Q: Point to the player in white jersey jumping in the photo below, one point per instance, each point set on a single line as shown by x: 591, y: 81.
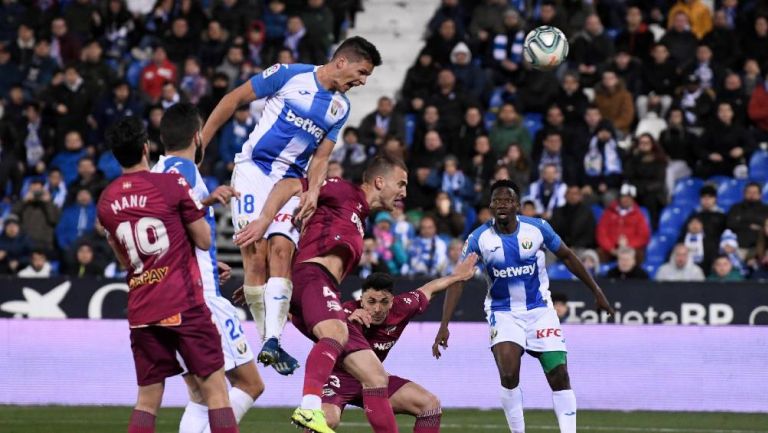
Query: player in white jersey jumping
x: 518, y: 304
x: 180, y: 133
x: 305, y: 110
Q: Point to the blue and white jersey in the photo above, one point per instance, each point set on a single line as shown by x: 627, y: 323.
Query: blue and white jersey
x: 514, y: 264
x: 299, y: 113
x: 206, y: 260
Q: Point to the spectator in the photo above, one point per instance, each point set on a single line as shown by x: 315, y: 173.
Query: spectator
x: 56, y: 187
x: 389, y: 250
x: 23, y: 48
x: 694, y: 238
x: 420, y: 194
x: 76, y: 220
x: 447, y: 220
x: 40, y: 70
x: 680, y: 267
x: 194, y: 85
x: 448, y: 10
x: 369, y: 260
x: 109, y: 166
x: 441, y: 43
x: 759, y: 263
x: 696, y: 102
x: 472, y: 128
x: 94, y: 69
x: 626, y: 267
x: 709, y: 71
x: 623, y: 225
x: 214, y: 46
x: 470, y: 76
x: 454, y: 256
x: 733, y: 93
x: 724, y: 145
x: 39, y: 266
x: 628, y: 70
x: 301, y: 46
x: 38, y: 137
x: 698, y: 14
x: 723, y: 271
x: 382, y: 123
x: 233, y: 136
x: 678, y: 144
x: 72, y: 102
x: 232, y: 14
x: 418, y: 80
x: 69, y: 157
x: 88, y: 177
x: 118, y: 104
x: 572, y: 100
x: 547, y: 193
x: 758, y: 108
x: 97, y: 239
x: 507, y: 49
x: 660, y: 78
x: 15, y: 246
x: 156, y: 74
x: 428, y: 252
x: 615, y: 102
x: 482, y: 164
x: 85, y: 264
x: 153, y: 132
x: 591, y: 48
x: 451, y: 103
x: 560, y: 304
x: 602, y: 163
x: 723, y: 40
x: 646, y: 169
x: 575, y: 222
x: 755, y: 42
x: 38, y: 215
x: 729, y: 247
x: 487, y: 20
x: 275, y: 21
x: 65, y: 47
x: 10, y: 73
x: 509, y: 129
x: 636, y: 38
x: 180, y: 43
x: 255, y: 46
x: 455, y: 183
x: 591, y: 261
x: 553, y: 122
x: 434, y: 151
x: 219, y: 86
x: 232, y: 65
x: 529, y: 209
x: 335, y: 170
x: 119, y: 30
x: 351, y: 154
x: 518, y: 165
x: 318, y: 19
x: 680, y: 41
x: 746, y: 218
x: 553, y: 154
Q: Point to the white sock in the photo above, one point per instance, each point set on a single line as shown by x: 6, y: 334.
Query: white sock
x: 512, y: 402
x: 565, y: 410
x: 311, y: 401
x: 277, y: 299
x: 240, y: 402
x: 194, y: 419
x: 254, y: 297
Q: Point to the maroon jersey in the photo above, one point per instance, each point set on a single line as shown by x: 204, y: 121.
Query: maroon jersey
x: 404, y: 307
x: 337, y: 222
x: 145, y: 214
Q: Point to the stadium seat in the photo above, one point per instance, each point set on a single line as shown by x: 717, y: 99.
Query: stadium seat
x: 686, y: 191
x: 211, y: 182
x: 597, y: 212
x: 489, y: 119
x: 534, y: 122
x: 658, y: 249
x: 717, y: 180
x: 410, y: 129
x: 605, y: 267
x: 651, y: 269
x: 559, y: 271
x: 470, y: 217
x: 730, y: 192
x: 758, y: 166
x: 765, y: 193
x: 672, y: 219
x: 647, y: 215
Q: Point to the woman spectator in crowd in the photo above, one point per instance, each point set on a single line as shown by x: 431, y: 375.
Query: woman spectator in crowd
x: 755, y: 42
x: 646, y: 169
x: 724, y: 145
x: 591, y: 261
x: 759, y: 263
x: 448, y: 221
x: 678, y: 144
x: 518, y: 166
x: 615, y: 102
x: 465, y: 146
x: 482, y: 164
x: 701, y: 249
x: 419, y: 80
x: 388, y: 248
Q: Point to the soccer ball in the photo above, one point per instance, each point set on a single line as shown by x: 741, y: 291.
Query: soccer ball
x: 545, y: 48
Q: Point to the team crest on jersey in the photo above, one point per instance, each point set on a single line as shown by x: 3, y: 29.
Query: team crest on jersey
x: 241, y: 223
x: 270, y: 70
x: 527, y: 244
x: 127, y: 185
x: 494, y: 333
x: 466, y: 246
x: 335, y: 107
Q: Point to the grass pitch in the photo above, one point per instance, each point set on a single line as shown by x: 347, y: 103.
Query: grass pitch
x: 63, y: 419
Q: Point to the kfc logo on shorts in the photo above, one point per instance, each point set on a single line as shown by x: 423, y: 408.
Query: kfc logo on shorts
x: 283, y: 217
x: 548, y: 332
x: 334, y: 306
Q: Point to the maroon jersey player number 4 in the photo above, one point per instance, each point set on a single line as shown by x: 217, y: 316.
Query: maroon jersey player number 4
x: 146, y: 213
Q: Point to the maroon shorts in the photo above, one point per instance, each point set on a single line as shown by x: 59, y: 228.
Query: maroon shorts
x: 343, y: 389
x: 196, y: 339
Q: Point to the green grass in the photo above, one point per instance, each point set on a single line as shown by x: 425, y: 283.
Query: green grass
x: 62, y: 419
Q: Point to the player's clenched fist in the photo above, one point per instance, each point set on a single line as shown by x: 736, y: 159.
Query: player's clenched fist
x: 252, y: 232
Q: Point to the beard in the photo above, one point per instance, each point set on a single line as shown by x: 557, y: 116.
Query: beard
x: 199, y: 154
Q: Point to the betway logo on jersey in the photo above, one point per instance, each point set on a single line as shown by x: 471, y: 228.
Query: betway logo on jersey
x: 305, y: 124
x: 514, y: 271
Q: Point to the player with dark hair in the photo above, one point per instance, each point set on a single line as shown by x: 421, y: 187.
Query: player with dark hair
x: 384, y: 317
x: 153, y: 225
x: 180, y: 134
x: 518, y: 305
x: 305, y: 110
x: 331, y: 246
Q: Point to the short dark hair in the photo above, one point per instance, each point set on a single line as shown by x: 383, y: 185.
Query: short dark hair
x: 126, y: 139
x: 356, y: 49
x: 708, y: 190
x: 380, y: 165
x: 379, y: 281
x: 179, y: 125
x: 559, y: 297
x: 506, y: 183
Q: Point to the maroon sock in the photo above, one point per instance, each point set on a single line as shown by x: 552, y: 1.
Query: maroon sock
x: 379, y: 411
x: 222, y: 420
x: 141, y: 422
x: 428, y: 422
x: 320, y: 362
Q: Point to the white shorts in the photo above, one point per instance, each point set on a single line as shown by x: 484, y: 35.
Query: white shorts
x: 536, y: 330
x: 254, y: 187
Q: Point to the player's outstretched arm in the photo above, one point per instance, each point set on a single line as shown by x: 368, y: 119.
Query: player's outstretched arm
x: 243, y: 94
x: 452, y: 297
x: 577, y: 268
x: 462, y: 272
x: 278, y: 197
x: 318, y: 169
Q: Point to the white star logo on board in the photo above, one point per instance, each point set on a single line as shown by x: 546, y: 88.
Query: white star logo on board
x: 39, y: 306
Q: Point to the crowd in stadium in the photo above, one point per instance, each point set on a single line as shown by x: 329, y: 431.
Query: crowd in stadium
x: 645, y: 151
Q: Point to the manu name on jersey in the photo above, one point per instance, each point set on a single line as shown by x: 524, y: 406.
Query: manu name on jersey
x: 206, y: 260
x: 298, y: 114
x: 514, y: 264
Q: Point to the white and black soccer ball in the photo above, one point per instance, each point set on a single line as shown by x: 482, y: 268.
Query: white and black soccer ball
x: 545, y: 48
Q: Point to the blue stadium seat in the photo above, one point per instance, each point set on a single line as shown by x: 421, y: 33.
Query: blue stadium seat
x: 717, y: 180
x: 658, y: 249
x: 758, y: 166
x: 647, y: 215
x: 489, y: 119
x: 597, y: 211
x: 672, y: 219
x: 686, y: 191
x: 559, y: 271
x: 534, y: 122
x: 765, y: 192
x: 410, y: 129
x: 730, y: 192
x: 55, y: 267
x: 651, y: 269
x: 605, y: 267
x: 211, y: 183
x: 470, y: 216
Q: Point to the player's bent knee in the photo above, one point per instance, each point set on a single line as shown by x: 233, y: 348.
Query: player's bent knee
x: 558, y: 378
x: 509, y: 380
x: 333, y: 329
x: 375, y: 379
x: 429, y: 403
